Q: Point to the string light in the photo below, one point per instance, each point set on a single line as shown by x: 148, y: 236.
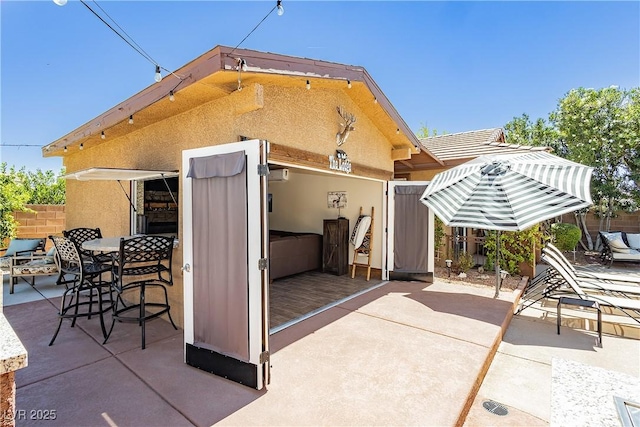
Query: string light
x: 81, y: 146
x: 280, y: 11
x: 241, y: 64
x: 60, y: 2
x: 65, y: 148
x: 171, y: 96
x: 349, y: 84
x: 308, y: 85
x: 398, y: 131
x: 102, y: 135
x: 375, y: 100
x: 131, y: 119
x: 158, y: 76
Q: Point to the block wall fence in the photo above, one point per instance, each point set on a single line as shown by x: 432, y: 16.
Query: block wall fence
x: 45, y: 221
x: 623, y: 221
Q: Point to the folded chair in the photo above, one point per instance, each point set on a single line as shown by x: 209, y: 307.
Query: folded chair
x: 85, y: 285
x: 142, y: 263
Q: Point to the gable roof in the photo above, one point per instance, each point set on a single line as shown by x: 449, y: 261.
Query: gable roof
x: 456, y: 148
x: 471, y: 144
x: 216, y: 75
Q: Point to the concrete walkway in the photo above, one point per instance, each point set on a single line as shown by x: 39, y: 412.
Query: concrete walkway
x: 407, y: 353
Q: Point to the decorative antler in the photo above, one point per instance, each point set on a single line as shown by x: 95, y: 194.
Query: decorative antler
x: 346, y: 127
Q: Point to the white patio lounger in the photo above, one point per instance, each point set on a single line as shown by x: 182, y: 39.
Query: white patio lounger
x: 554, y: 281
x: 582, y: 274
x: 628, y: 306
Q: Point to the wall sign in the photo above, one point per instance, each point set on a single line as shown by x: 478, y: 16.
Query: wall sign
x: 340, y: 162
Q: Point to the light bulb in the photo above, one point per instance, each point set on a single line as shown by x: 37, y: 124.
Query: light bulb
x: 102, y: 135
x: 60, y: 2
x: 130, y: 120
x: 244, y: 65
x: 171, y: 97
x: 158, y: 76
x: 397, y: 131
x: 308, y: 85
x: 65, y: 148
x: 375, y: 100
x: 349, y: 84
x: 81, y: 146
x: 279, y: 7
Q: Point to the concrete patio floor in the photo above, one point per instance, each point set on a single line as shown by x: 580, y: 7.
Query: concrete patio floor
x: 407, y: 353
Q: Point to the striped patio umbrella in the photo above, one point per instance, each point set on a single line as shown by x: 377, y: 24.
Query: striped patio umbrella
x: 510, y: 192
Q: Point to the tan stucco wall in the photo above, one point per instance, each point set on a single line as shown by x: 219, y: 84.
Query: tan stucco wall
x: 425, y: 175
x: 300, y: 205
x: 294, y: 117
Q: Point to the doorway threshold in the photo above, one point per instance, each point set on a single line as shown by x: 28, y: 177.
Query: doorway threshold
x: 299, y: 319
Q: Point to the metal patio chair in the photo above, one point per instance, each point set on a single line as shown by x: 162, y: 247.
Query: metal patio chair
x: 85, y: 285
x: 143, y: 262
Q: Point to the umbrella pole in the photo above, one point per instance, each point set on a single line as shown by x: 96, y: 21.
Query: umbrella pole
x: 497, y: 264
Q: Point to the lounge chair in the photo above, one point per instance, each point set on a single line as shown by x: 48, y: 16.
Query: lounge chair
x: 572, y: 288
x: 620, y: 246
x: 593, y: 275
x: 590, y: 282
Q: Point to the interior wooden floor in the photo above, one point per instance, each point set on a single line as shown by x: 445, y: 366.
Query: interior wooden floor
x: 294, y: 296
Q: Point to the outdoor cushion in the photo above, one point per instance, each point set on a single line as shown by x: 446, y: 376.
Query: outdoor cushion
x: 621, y: 250
x: 21, y: 245
x: 634, y: 240
x: 633, y: 255
x: 611, y: 236
x: 38, y: 266
x: 617, y: 245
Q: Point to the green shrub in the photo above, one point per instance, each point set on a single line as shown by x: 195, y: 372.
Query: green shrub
x: 566, y: 236
x: 515, y: 247
x: 465, y: 262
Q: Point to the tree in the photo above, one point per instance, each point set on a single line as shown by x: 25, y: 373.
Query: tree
x: 20, y: 187
x: 45, y: 187
x: 601, y: 128
x: 424, y: 132
x: 13, y: 197
x: 522, y: 131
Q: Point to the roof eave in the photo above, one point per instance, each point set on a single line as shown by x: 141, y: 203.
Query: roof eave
x: 222, y: 58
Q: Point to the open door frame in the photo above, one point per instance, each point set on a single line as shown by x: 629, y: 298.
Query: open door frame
x: 253, y: 372
x: 390, y: 221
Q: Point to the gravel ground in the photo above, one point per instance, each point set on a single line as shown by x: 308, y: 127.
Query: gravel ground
x: 488, y: 278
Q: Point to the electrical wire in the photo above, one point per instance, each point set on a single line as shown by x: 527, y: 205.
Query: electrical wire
x: 143, y: 52
x: 128, y: 39
x: 254, y: 28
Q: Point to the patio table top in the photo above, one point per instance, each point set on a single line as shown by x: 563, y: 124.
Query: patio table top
x: 105, y: 244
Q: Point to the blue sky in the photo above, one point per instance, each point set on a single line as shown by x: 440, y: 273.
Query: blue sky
x: 453, y: 66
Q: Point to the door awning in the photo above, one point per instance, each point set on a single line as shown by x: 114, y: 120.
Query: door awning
x: 113, y: 174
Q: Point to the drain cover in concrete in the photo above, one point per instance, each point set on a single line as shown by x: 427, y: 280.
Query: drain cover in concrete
x: 495, y: 408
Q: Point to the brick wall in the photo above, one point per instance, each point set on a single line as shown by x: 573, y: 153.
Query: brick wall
x: 623, y: 221
x: 46, y: 220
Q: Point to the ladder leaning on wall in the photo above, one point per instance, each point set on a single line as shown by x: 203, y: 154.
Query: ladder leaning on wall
x: 365, y: 248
